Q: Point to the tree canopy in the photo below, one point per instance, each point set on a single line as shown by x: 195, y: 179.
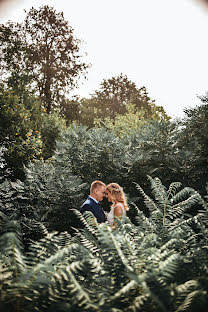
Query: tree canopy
x: 42, y: 55
x: 116, y: 92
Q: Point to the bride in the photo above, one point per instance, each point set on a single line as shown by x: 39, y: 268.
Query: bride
x: 115, y: 195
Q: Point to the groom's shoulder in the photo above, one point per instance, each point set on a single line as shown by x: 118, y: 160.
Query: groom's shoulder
x: 88, y: 201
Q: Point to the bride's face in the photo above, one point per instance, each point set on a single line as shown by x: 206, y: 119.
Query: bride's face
x: 109, y: 197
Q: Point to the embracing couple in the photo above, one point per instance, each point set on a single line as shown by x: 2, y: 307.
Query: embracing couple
x: 114, y: 194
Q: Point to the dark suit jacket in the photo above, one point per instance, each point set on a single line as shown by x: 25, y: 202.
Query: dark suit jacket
x: 96, y: 209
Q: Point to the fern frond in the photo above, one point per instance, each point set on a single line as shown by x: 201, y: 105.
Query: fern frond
x: 180, y: 208
x: 124, y: 260
x: 64, y: 239
x: 139, y: 303
x: 128, y: 240
x: 193, y: 300
x: 43, y: 275
x: 125, y: 289
x: 66, y: 281
x: 180, y: 222
x: 184, y: 289
x: 158, y: 189
x: 88, y: 220
x: 150, y: 284
x: 182, y: 195
x: 169, y: 267
x: 203, y: 214
x: 3, y: 217
x: 172, y: 189
x: 5, y: 274
x: 11, y: 246
x: 142, y: 221
x: 171, y: 244
x: 87, y: 243
x: 41, y: 250
x: 150, y: 204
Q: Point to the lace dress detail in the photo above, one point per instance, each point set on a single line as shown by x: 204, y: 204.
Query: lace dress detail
x: 110, y: 215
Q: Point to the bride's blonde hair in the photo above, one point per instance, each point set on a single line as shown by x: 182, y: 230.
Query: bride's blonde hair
x: 117, y: 194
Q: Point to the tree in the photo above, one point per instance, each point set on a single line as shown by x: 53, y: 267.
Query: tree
x: 194, y: 140
x: 129, y: 122
x: 42, y: 55
x: 70, y: 110
x: 26, y: 133
x: 124, y: 124
x: 88, y: 112
x: 116, y: 92
x: 19, y: 131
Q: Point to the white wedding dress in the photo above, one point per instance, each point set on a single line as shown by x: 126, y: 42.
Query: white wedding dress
x: 110, y: 215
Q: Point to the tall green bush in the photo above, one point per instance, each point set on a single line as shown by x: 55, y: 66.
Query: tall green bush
x: 18, y: 131
x: 194, y: 140
x: 26, y: 131
x: 52, y: 192
x: 98, y: 153
x: 92, y: 154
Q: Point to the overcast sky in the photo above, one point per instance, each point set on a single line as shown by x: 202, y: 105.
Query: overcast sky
x: 159, y: 44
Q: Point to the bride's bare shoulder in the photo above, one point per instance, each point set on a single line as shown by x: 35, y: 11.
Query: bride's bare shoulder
x: 118, y: 208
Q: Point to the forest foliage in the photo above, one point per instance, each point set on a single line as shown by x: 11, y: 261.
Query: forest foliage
x: 157, y: 263
x: 52, y: 147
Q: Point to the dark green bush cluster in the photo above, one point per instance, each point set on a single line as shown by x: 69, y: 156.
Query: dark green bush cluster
x: 47, y: 196
x: 158, y: 149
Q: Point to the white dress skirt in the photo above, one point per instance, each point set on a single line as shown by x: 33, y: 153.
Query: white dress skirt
x: 110, y: 215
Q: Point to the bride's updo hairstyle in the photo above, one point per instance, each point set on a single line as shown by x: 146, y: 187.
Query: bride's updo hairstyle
x: 117, y: 194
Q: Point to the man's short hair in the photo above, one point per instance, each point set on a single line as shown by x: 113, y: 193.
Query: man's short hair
x: 95, y: 185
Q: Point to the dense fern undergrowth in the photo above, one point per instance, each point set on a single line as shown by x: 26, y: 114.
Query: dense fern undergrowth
x: 52, y: 258
x: 156, y: 263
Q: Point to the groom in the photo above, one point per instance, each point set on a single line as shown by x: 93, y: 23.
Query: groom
x: 97, y: 192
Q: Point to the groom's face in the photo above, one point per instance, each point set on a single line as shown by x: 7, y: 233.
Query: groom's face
x: 100, y: 193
